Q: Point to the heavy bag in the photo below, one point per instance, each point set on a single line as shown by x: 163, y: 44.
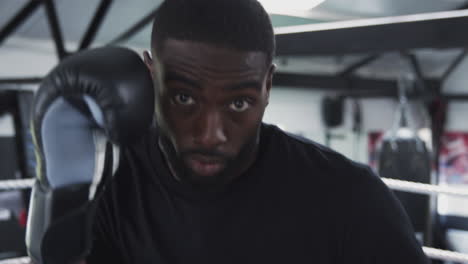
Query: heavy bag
x: 408, y: 159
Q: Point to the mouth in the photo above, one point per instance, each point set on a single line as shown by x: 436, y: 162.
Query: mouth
x: 205, y: 165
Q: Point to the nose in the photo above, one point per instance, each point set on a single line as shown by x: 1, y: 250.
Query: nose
x: 210, y: 132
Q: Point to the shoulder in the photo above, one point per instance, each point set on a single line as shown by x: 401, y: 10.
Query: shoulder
x: 363, y: 189
x: 312, y: 171
x: 308, y: 154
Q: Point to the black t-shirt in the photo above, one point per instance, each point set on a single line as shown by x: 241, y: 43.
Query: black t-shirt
x: 299, y: 203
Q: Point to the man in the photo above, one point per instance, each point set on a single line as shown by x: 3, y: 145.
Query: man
x: 210, y: 183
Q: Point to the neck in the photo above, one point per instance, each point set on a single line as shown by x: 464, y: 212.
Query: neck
x: 248, y: 155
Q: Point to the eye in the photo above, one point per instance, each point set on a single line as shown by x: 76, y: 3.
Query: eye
x: 239, y: 105
x: 183, y: 99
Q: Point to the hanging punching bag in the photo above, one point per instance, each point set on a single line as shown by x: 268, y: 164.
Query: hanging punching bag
x: 406, y: 157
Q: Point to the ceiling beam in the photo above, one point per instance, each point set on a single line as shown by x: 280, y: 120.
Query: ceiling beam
x: 359, y: 64
x: 452, y: 67
x: 16, y: 81
x: 377, y: 35
x: 18, y: 19
x: 95, y: 24
x: 334, y: 83
x: 55, y: 30
x: 137, y: 27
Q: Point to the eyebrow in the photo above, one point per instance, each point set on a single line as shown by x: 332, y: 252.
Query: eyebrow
x: 172, y: 76
x: 246, y: 85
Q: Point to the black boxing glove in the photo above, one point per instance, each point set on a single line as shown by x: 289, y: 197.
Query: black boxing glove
x: 90, y: 104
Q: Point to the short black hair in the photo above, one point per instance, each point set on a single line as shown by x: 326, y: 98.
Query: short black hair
x: 242, y: 25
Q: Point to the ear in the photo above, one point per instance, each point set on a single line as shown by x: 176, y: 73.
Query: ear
x: 148, y: 62
x: 269, y: 81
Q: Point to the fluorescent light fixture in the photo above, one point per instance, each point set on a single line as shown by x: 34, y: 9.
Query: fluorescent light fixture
x: 281, y: 6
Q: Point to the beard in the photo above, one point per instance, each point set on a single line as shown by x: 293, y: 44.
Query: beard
x: 233, y: 165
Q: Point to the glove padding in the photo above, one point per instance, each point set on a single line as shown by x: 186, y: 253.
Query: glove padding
x: 90, y: 99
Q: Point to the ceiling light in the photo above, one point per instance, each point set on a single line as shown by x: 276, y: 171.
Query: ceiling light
x: 279, y: 6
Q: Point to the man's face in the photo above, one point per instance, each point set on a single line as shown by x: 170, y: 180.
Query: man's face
x: 209, y: 106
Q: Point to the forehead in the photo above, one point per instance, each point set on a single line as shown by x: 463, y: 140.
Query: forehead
x: 179, y: 53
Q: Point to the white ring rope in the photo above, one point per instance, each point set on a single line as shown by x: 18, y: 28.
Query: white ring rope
x: 432, y: 253
x: 399, y: 185
x: 23, y: 260
x: 445, y: 255
x: 11, y: 185
x: 422, y: 188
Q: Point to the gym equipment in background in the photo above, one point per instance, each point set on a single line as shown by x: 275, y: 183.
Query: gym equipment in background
x: 17, y: 161
x: 405, y: 156
x: 332, y: 116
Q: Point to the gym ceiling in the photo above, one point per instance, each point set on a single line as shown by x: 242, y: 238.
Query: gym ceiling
x: 356, y: 47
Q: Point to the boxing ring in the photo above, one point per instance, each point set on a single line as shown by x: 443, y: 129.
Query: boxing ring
x: 397, y: 185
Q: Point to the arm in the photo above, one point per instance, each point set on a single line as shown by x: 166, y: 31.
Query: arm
x: 89, y: 100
